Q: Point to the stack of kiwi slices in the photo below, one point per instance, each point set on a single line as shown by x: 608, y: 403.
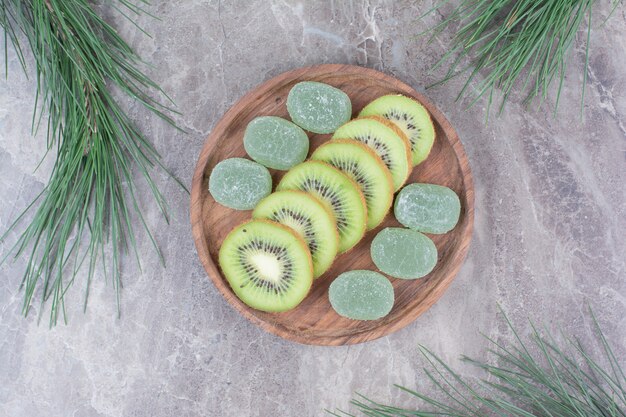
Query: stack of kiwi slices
x: 323, y: 206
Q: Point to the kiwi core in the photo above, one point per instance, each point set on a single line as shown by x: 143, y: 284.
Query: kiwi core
x: 268, y: 266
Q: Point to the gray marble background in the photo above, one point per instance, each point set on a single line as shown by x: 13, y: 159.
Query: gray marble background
x: 549, y: 238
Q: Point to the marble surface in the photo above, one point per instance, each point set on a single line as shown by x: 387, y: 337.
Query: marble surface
x: 549, y: 238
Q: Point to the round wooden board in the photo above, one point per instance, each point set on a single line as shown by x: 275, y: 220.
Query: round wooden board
x: 314, y: 321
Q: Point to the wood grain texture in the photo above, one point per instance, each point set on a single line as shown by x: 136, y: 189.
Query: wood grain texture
x: 314, y: 321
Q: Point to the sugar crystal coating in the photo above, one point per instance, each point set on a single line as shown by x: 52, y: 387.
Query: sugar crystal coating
x: 239, y: 183
x: 361, y: 295
x: 275, y: 142
x: 403, y: 253
x: 427, y: 208
x: 318, y: 107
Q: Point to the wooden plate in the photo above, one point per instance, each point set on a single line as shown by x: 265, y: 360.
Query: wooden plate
x: 314, y: 321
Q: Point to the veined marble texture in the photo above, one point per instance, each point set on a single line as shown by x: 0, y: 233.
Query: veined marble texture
x: 549, y: 228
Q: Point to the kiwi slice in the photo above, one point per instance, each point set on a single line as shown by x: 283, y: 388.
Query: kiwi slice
x: 389, y: 144
x: 268, y: 265
x: 360, y: 162
x: 340, y: 194
x: 411, y: 117
x: 309, y: 218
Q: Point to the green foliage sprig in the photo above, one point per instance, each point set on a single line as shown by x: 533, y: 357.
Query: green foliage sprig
x: 513, y: 44
x: 538, y: 378
x: 90, y: 198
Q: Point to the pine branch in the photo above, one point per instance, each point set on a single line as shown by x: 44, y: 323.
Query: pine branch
x: 90, y: 198
x: 535, y: 378
x: 513, y: 45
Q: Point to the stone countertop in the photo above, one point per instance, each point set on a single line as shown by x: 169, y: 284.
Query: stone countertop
x: 549, y: 228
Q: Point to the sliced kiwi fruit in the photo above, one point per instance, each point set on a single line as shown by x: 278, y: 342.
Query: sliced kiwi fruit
x: 411, y: 117
x: 340, y: 194
x: 360, y: 162
x: 389, y: 144
x: 309, y: 218
x: 267, y: 265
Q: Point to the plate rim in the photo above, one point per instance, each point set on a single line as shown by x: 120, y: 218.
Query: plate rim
x: 212, y: 269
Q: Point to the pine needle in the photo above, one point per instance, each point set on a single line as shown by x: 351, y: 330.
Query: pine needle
x: 90, y: 199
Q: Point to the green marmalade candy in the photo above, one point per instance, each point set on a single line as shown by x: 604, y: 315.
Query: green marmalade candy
x: 361, y: 295
x: 275, y: 142
x: 318, y: 107
x: 403, y: 253
x: 427, y: 208
x: 239, y: 183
